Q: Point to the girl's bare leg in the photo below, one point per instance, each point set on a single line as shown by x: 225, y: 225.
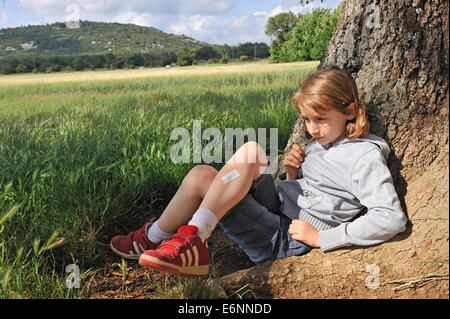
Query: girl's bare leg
x: 205, y: 187
x: 247, y: 164
x: 187, y: 199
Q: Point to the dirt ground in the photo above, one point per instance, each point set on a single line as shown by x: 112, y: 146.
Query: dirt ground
x: 227, y: 258
x: 141, y: 282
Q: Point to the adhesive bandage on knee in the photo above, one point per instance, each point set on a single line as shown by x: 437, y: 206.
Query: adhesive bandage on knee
x: 230, y: 176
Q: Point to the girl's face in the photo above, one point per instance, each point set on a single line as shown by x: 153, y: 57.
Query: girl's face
x: 327, y: 126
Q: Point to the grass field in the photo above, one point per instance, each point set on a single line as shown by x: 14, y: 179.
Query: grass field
x: 85, y: 156
x: 261, y: 66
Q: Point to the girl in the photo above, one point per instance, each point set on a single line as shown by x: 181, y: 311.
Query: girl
x: 318, y: 202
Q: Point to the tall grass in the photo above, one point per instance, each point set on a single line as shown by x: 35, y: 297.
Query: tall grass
x: 85, y: 160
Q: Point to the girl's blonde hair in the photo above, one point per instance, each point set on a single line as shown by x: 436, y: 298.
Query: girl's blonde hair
x: 333, y: 88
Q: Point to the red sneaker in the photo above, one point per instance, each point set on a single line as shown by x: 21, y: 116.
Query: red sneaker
x: 183, y: 254
x: 131, y: 246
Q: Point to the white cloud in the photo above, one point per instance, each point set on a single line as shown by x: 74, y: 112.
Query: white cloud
x: 126, y: 17
x: 145, y: 19
x: 62, y: 10
x: 296, y: 8
x: 4, y: 19
x: 234, y: 30
x: 88, y: 8
x: 48, y: 10
x: 277, y: 10
x: 261, y: 14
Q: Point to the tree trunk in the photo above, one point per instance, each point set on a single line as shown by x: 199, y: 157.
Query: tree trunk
x: 398, y: 53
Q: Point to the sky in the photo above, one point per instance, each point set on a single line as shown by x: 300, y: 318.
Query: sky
x: 212, y: 21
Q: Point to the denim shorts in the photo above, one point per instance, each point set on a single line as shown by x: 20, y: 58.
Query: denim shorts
x: 258, y: 225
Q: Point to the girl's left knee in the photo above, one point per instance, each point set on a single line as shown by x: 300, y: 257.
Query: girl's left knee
x: 256, y: 155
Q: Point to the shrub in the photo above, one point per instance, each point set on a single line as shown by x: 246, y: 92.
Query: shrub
x: 243, y: 58
x: 20, y: 68
x: 78, y: 64
x: 225, y: 58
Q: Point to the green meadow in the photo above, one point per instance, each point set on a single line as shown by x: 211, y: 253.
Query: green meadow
x: 85, y: 160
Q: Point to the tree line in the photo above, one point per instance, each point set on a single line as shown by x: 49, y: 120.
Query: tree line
x: 54, y: 63
x: 243, y: 52
x: 301, y: 37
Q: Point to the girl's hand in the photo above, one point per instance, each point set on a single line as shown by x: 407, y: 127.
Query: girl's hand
x: 304, y: 232
x: 293, y: 160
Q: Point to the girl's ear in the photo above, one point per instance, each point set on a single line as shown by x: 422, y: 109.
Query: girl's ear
x: 351, y: 111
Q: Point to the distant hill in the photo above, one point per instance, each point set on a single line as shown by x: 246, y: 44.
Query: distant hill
x: 90, y: 38
x: 99, y: 45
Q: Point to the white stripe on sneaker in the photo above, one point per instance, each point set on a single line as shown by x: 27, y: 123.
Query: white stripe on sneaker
x: 201, y: 270
x: 136, y: 249
x: 189, y: 255
x: 183, y: 259
x: 195, y: 255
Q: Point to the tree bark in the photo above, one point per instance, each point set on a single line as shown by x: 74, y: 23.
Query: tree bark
x: 398, y: 53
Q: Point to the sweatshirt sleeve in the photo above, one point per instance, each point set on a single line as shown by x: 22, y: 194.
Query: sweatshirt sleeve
x: 282, y: 177
x: 372, y: 184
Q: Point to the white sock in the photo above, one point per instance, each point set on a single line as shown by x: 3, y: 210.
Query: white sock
x: 205, y: 220
x: 155, y: 234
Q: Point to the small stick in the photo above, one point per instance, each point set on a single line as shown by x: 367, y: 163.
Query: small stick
x: 422, y: 280
x: 410, y: 281
x: 308, y: 142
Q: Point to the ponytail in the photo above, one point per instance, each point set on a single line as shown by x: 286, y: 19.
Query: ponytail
x: 359, y: 126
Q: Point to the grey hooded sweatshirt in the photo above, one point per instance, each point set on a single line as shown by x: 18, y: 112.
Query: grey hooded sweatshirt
x: 335, y: 184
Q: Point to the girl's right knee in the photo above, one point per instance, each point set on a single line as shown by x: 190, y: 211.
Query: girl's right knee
x: 199, y: 179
